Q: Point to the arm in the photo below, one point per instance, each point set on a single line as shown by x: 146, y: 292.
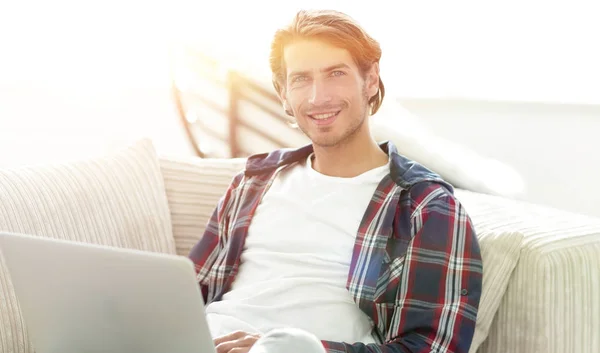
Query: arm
x: 206, y: 250
x: 440, y: 286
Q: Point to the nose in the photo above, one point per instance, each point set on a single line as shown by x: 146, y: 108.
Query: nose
x: 320, y: 93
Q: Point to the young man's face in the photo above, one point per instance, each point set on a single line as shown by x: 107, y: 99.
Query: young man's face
x: 326, y: 91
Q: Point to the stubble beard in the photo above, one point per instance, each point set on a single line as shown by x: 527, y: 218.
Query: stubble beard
x: 351, y: 131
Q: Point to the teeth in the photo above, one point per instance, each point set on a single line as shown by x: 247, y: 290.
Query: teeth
x: 323, y: 116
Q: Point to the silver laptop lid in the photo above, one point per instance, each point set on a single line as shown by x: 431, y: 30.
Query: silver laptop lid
x: 78, y: 297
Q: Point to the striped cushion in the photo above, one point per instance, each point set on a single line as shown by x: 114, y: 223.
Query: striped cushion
x: 116, y: 200
x: 194, y: 187
x: 500, y: 252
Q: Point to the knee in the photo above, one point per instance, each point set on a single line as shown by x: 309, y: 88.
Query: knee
x: 288, y: 340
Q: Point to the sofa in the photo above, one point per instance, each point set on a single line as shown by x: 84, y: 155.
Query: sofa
x: 541, y: 283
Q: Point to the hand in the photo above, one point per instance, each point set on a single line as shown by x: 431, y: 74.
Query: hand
x: 236, y: 342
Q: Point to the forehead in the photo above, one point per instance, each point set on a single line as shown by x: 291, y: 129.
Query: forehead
x: 313, y: 55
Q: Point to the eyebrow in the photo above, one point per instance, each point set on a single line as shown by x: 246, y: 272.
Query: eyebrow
x: 327, y: 69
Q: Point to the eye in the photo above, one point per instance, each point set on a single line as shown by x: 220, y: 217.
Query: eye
x: 337, y: 73
x: 301, y: 78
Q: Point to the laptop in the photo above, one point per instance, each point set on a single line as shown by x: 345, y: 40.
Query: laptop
x: 85, y: 298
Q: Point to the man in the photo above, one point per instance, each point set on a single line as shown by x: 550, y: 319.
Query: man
x: 343, y: 241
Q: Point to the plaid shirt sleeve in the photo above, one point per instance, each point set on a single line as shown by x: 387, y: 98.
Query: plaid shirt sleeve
x: 439, y: 288
x: 205, y: 252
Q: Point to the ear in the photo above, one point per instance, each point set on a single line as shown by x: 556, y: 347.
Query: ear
x: 287, y: 108
x: 372, y: 80
x: 286, y: 105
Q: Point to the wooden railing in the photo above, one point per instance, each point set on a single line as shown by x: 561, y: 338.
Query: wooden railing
x: 224, y: 102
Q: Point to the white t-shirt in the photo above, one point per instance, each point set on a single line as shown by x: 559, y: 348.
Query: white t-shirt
x: 296, y: 258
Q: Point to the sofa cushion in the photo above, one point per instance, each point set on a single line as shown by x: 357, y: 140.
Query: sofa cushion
x: 194, y: 187
x: 500, y: 252
x: 116, y: 200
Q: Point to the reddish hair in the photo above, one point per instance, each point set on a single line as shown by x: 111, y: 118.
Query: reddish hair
x: 334, y: 28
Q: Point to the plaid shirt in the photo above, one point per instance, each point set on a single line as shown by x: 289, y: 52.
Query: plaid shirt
x: 416, y: 268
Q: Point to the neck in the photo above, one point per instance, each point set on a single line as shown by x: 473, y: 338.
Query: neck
x: 349, y: 159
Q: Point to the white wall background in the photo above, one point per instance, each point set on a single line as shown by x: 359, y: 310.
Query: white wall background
x: 82, y: 77
x: 554, y: 147
x: 523, y: 50
x: 79, y: 78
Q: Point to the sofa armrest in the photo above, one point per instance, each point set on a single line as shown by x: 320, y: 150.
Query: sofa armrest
x: 551, y: 302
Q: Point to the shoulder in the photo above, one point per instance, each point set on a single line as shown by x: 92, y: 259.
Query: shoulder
x: 438, y: 217
x: 433, y: 206
x: 426, y: 194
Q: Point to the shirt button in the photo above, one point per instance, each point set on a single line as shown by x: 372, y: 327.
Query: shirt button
x: 464, y: 292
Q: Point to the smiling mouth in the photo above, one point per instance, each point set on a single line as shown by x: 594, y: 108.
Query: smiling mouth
x: 325, y: 118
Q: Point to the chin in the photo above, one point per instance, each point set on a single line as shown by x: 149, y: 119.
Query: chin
x: 326, y: 141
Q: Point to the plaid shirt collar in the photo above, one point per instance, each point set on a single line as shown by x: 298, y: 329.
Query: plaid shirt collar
x: 403, y: 171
